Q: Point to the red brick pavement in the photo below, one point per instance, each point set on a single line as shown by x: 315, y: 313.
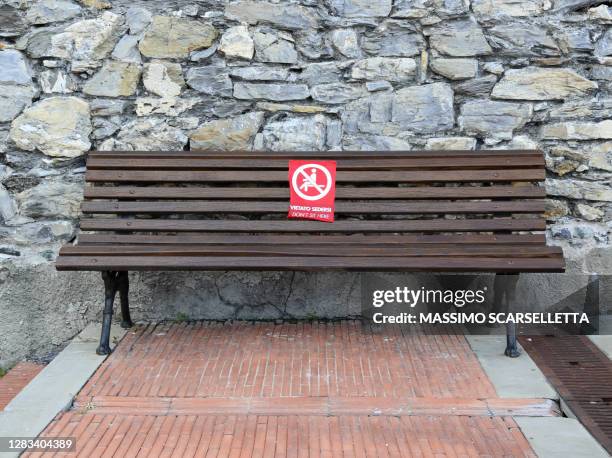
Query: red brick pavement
x: 18, y: 377
x: 291, y: 436
x: 293, y: 390
x: 306, y: 359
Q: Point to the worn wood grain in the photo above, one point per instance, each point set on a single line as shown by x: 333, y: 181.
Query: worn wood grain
x: 348, y: 226
x: 389, y: 207
x: 306, y: 239
x: 254, y: 193
x: 384, y: 163
x: 266, y: 176
x: 314, y: 263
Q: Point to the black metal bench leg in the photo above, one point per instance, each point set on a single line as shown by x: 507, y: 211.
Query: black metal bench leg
x: 110, y: 290
x: 124, y: 288
x: 512, y: 350
x: 504, y: 296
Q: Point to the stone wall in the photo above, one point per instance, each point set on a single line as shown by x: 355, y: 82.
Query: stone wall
x: 287, y: 75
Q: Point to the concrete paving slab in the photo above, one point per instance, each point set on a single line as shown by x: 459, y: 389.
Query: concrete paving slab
x: 604, y: 343
x: 566, y: 410
x: 511, y: 377
x: 54, y: 388
x: 552, y: 437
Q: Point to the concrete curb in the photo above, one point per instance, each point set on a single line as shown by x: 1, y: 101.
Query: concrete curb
x: 552, y: 437
x: 511, y: 377
x: 604, y: 343
x: 53, y: 390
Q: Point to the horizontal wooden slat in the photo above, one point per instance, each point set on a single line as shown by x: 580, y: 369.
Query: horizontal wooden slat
x: 418, y: 163
x: 341, y: 207
x: 432, y: 225
x: 312, y: 154
x: 442, y: 249
x: 354, y: 239
x: 311, y: 263
x: 223, y: 176
x: 424, y: 192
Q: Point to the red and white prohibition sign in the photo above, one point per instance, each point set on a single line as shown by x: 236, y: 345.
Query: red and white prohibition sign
x: 312, y: 188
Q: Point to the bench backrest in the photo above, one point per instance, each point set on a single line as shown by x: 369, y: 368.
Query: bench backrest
x: 472, y: 210
x: 476, y: 192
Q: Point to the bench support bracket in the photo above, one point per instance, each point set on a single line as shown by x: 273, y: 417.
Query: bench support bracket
x: 113, y: 282
x: 504, y: 296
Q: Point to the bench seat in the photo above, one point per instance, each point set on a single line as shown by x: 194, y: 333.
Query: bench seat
x: 523, y: 253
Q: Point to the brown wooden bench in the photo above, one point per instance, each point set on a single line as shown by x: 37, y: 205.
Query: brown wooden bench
x: 432, y: 211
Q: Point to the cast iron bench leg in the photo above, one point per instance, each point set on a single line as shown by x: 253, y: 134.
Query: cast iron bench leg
x: 110, y: 290
x: 124, y: 288
x: 512, y: 350
x: 504, y: 296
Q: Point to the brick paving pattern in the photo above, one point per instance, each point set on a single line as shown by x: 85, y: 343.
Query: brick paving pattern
x: 18, y: 377
x: 267, y: 360
x: 332, y: 389
x: 291, y: 436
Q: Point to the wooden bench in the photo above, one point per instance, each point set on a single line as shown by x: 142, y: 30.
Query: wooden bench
x: 432, y: 211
